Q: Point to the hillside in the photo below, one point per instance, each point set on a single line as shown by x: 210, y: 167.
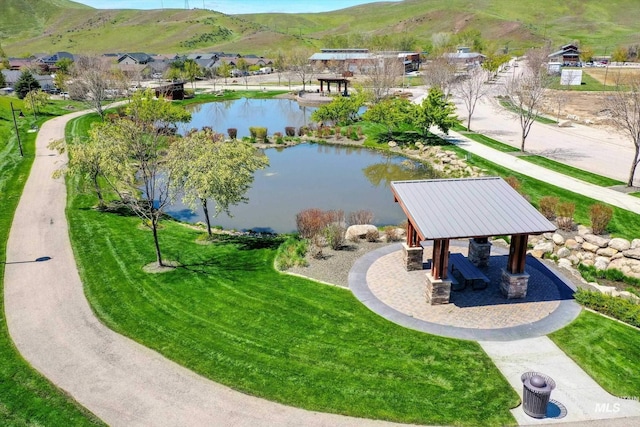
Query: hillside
x: 29, y: 26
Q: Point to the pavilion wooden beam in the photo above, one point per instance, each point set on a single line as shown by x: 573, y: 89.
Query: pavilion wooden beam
x: 440, y: 262
x: 517, y: 254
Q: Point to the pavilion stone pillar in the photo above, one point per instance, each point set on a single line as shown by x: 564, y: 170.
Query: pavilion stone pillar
x: 515, y: 280
x: 479, y: 251
x: 438, y: 289
x: 412, y: 257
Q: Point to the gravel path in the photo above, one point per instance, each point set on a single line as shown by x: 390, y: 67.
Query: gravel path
x: 334, y: 267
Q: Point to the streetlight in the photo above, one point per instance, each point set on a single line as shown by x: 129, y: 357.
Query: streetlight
x: 15, y: 124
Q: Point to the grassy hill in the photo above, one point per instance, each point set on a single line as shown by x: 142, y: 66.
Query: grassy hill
x: 28, y: 26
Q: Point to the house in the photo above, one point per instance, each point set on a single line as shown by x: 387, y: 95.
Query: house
x: 134, y: 58
x: 49, y: 61
x: 23, y: 63
x: 464, y: 57
x: 343, y: 59
x: 12, y: 76
x: 568, y: 54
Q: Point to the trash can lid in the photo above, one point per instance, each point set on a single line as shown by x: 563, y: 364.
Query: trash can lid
x: 538, y: 381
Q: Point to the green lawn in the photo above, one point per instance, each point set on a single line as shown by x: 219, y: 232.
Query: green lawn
x: 26, y: 398
x: 607, y: 350
x: 589, y: 84
x: 230, y: 316
x: 571, y: 171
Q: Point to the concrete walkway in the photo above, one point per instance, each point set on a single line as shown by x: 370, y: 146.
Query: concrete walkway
x: 577, y: 396
x: 55, y: 330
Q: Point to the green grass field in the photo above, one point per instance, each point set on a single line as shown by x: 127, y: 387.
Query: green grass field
x: 229, y: 315
x: 26, y: 398
x: 606, y: 349
x: 574, y: 172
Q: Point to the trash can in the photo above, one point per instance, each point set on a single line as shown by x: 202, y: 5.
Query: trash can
x: 536, y: 393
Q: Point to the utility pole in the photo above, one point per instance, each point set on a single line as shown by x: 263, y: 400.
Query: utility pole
x: 15, y: 124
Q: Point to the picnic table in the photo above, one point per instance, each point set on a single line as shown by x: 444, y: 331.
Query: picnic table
x: 468, y: 273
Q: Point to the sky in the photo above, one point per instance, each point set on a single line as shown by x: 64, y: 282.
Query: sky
x: 231, y: 7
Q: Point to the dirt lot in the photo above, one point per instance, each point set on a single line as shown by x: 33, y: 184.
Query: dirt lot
x: 588, y: 107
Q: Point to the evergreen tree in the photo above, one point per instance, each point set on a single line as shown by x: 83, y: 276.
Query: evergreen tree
x: 25, y: 84
x: 3, y: 81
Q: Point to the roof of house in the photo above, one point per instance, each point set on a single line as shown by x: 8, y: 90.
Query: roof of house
x: 467, y: 207
x: 139, y: 57
x: 339, y: 56
x: 463, y: 55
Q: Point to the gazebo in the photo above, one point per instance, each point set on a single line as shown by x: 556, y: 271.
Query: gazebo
x: 476, y: 208
x: 336, y: 80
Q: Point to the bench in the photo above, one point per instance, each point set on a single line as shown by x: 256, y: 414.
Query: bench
x: 469, y: 273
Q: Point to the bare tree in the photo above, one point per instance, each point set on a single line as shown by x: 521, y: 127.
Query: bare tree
x: 91, y: 78
x: 624, y: 107
x: 471, y: 89
x: 439, y: 73
x: 382, y: 74
x: 526, y: 94
x: 537, y: 60
x: 299, y: 65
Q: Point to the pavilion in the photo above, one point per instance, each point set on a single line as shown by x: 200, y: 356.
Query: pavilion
x: 476, y: 208
x: 335, y: 80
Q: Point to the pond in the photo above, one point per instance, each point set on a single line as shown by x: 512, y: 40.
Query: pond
x: 317, y: 176
x: 274, y: 114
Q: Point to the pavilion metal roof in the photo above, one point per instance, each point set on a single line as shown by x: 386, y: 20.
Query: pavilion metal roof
x: 467, y: 207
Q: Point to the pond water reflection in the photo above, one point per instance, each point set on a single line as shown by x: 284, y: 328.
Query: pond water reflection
x: 317, y: 176
x: 274, y: 114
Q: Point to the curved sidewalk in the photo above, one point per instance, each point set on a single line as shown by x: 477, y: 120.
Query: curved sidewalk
x: 119, y: 380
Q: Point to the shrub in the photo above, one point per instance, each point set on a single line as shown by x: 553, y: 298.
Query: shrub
x: 334, y: 234
x: 233, y: 133
x: 360, y: 217
x: 261, y: 134
x: 565, y: 213
x: 372, y: 235
x: 600, y: 216
x: 311, y: 221
x: 623, y: 309
x: 278, y: 137
x: 290, y: 131
x: 291, y: 253
x: 392, y: 233
x: 303, y: 130
x: 338, y: 132
x: 548, y: 205
x: 359, y: 132
x: 253, y: 132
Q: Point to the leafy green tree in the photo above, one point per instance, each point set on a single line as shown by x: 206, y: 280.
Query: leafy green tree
x: 586, y: 53
x: 64, y: 65
x: 493, y: 61
x: 435, y: 110
x: 35, y: 100
x: 3, y: 81
x: 393, y: 113
x: 206, y: 167
x: 60, y: 81
x: 619, y: 54
x: 192, y: 71
x: 173, y: 74
x: 136, y: 144
x: 25, y: 84
x: 341, y: 111
x: 224, y: 70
